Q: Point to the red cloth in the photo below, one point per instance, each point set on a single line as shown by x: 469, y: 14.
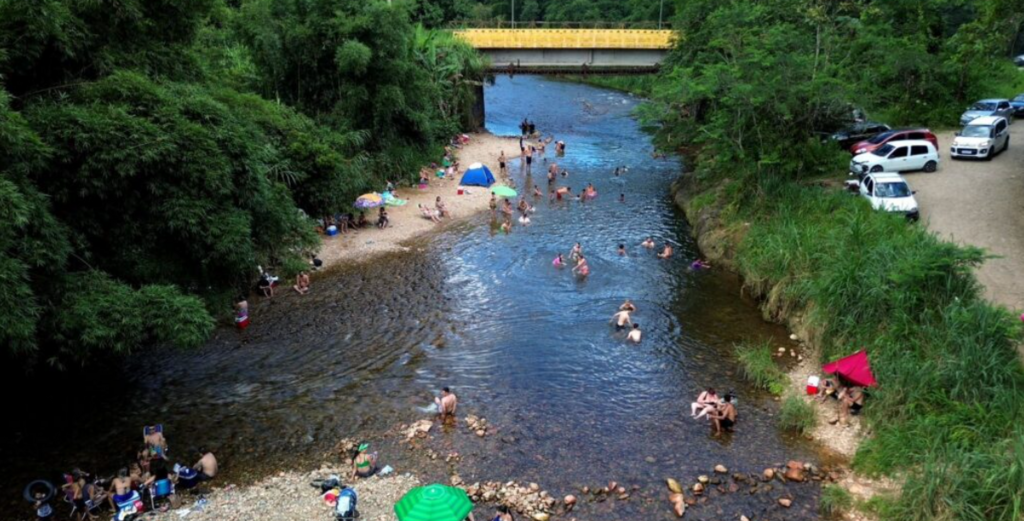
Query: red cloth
x: 855, y: 368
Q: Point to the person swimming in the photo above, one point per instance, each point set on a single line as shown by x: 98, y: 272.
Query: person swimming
x: 621, y: 320
x: 628, y: 306
x: 622, y: 198
x: 634, y: 334
x: 649, y: 243
x: 524, y: 219
x: 622, y: 250
x: 698, y: 265
x: 666, y: 252
x: 559, y: 262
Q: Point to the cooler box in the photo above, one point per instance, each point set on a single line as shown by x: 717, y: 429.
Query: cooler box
x: 812, y: 385
x: 332, y: 230
x: 461, y: 191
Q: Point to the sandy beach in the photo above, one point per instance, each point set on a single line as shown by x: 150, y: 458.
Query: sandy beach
x: 406, y: 222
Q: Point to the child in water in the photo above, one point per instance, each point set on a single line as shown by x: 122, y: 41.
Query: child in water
x: 558, y: 262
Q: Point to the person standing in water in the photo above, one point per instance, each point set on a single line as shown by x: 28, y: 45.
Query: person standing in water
x: 634, y: 334
x: 628, y: 306
x: 581, y: 269
x: 447, y: 403
x: 493, y: 204
x: 621, y: 320
x: 577, y: 252
x: 649, y: 243
x: 529, y: 157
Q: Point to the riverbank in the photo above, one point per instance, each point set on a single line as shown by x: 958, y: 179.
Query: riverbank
x: 842, y: 278
x: 407, y: 224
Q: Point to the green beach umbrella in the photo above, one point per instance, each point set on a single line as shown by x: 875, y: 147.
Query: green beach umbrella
x: 434, y: 503
x: 504, y: 191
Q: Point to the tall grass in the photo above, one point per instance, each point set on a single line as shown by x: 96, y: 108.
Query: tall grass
x: 759, y: 368
x: 834, y: 501
x: 951, y: 393
x: 797, y: 415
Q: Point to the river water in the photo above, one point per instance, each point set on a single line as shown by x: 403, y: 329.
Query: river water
x: 521, y: 343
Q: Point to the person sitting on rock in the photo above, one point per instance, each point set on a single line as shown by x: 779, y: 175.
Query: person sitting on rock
x: 364, y: 464
x: 851, y: 401
x: 723, y: 418
x: 706, y: 402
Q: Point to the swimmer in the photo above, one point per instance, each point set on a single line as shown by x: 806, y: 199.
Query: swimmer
x: 565, y: 173
x: 537, y: 192
x: 649, y: 243
x: 564, y: 191
x: 446, y: 404
x: 616, y: 171
x: 523, y: 205
x: 551, y: 177
x: 699, y: 264
x: 581, y: 269
x: 666, y: 252
x: 634, y: 334
x: 493, y: 203
x: 551, y: 196
x: 621, y: 320
x: 628, y: 306
x: 559, y: 262
x: 622, y: 198
x: 524, y: 219
x: 506, y: 227
x: 622, y: 250
x: 577, y: 252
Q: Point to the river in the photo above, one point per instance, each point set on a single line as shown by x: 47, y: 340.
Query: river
x: 523, y: 344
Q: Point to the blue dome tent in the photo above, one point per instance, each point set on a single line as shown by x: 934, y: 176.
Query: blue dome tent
x: 477, y: 175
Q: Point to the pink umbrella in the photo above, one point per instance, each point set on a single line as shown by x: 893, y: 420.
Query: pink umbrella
x: 855, y: 369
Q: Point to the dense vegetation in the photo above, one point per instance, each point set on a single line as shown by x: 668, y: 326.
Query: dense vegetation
x: 583, y: 12
x: 749, y: 89
x: 157, y: 151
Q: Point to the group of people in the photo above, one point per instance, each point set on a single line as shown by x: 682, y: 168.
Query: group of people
x: 850, y: 398
x: 150, y: 473
x: 342, y: 222
x: 437, y: 213
x: 623, y: 322
x: 721, y: 412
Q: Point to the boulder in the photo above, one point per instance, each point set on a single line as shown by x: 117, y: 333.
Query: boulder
x: 721, y: 469
x: 569, y: 500
x: 794, y: 474
x: 698, y: 489
x: 673, y: 485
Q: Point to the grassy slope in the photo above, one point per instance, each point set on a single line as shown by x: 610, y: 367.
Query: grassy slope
x: 950, y: 405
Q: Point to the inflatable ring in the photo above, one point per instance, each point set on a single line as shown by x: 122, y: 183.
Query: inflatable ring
x: 30, y: 495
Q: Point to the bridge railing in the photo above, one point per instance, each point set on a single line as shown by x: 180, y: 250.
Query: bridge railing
x: 505, y: 24
x: 546, y: 38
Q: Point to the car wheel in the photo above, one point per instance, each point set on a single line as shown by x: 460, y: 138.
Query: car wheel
x: 931, y: 166
x: 1006, y: 145
x: 875, y: 169
x: 991, y: 153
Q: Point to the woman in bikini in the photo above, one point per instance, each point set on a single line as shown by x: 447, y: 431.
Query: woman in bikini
x: 364, y: 464
x: 581, y: 269
x: 577, y: 252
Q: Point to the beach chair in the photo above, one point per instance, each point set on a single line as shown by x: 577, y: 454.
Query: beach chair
x: 160, y: 490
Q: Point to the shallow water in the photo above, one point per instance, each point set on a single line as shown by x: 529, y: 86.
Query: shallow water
x: 523, y: 344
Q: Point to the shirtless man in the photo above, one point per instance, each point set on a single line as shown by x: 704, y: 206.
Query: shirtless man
x: 649, y: 243
x: 851, y: 400
x: 446, y: 404
x: 628, y: 306
x: 493, y: 203
x: 301, y: 283
x: 666, y: 252
x: 207, y: 465
x: 621, y: 320
x: 724, y: 417
x: 120, y: 489
x: 155, y: 441
x: 622, y: 250
x: 528, y: 153
x: 501, y: 163
x: 634, y: 334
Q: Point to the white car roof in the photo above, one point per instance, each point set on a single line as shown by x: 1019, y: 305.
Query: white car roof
x: 911, y: 142
x: 887, y: 177
x: 987, y: 120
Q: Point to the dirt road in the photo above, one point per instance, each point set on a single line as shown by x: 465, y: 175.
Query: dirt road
x: 981, y: 203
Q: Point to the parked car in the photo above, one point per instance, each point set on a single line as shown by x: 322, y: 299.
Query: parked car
x: 897, y: 156
x: 858, y: 132
x: 987, y: 107
x: 894, y: 135
x: 1019, y: 61
x: 1017, y: 104
x: 888, y: 192
x: 984, y: 138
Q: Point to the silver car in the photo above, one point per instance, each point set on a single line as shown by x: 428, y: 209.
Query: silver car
x: 988, y: 107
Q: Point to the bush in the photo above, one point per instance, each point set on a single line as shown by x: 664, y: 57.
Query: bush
x: 759, y: 368
x: 797, y: 415
x: 834, y: 501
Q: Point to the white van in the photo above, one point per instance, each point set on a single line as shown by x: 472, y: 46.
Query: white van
x: 982, y: 137
x: 897, y: 156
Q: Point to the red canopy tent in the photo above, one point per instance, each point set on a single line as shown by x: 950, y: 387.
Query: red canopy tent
x: 855, y: 369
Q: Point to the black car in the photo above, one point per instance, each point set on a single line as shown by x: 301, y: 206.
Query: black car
x: 1017, y: 104
x: 846, y: 137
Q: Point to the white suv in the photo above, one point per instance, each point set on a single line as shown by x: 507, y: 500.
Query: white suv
x: 982, y: 137
x: 887, y: 191
x: 897, y: 156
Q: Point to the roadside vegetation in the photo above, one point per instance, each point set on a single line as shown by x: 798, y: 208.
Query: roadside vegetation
x: 755, y: 88
x: 156, y: 153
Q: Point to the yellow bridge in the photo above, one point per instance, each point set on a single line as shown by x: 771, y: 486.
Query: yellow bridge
x: 568, y: 38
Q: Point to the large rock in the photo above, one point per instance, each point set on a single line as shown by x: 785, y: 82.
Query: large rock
x: 794, y: 474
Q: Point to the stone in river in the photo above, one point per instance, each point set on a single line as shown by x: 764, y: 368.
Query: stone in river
x: 698, y: 489
x: 541, y: 516
x: 721, y: 469
x: 703, y: 479
x: 481, y: 433
x: 675, y: 497
x: 585, y: 489
x: 744, y: 518
x: 785, y: 502
x: 679, y: 509
x: 769, y: 474
x: 570, y: 500
x: 650, y: 459
x: 673, y: 485
x: 534, y: 487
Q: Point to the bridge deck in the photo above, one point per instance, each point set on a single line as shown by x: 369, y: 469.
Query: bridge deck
x: 567, y: 38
